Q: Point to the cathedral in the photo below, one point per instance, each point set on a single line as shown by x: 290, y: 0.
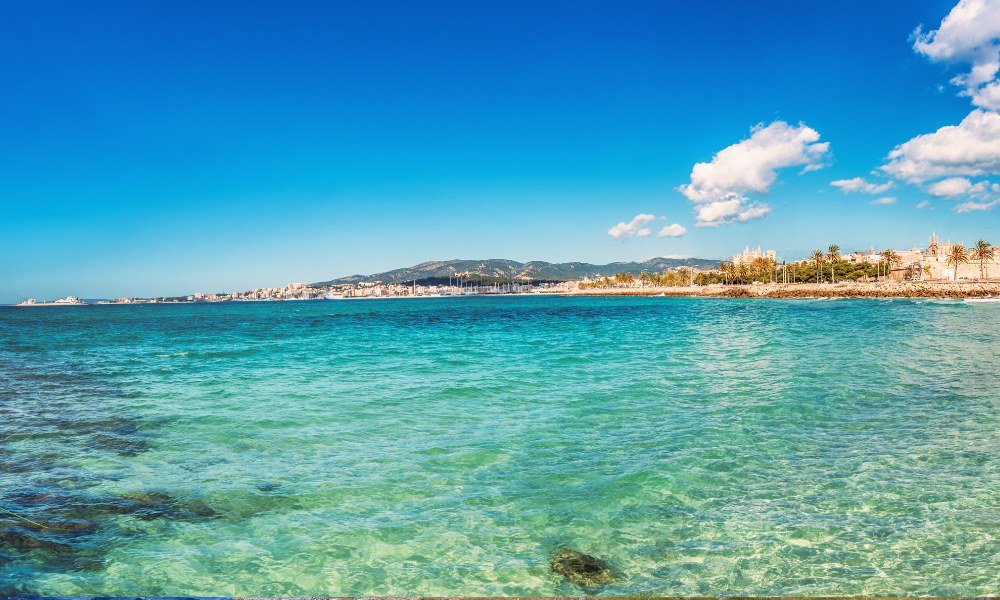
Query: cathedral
x: 935, y: 264
x: 749, y: 256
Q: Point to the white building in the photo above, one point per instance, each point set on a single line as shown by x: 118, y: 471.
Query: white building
x: 749, y: 256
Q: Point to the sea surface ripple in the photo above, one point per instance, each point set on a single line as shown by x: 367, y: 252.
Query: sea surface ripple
x: 449, y: 446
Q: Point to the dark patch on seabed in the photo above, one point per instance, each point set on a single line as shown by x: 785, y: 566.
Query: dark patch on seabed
x: 581, y: 569
x: 47, y: 515
x: 61, y: 528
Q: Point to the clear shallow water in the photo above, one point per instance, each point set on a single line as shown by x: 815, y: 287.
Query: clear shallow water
x: 449, y: 446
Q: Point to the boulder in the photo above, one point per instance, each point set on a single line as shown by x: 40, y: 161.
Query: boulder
x: 581, y: 569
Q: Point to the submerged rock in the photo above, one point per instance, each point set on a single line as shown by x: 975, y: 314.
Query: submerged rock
x: 196, y: 509
x: 155, y: 505
x: 120, y: 444
x: 25, y: 540
x: 142, y: 505
x: 581, y: 569
x: 73, y: 527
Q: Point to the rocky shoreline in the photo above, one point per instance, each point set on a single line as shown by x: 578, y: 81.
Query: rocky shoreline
x: 914, y: 289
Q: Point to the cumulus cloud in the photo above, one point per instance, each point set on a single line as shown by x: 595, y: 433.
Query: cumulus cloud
x: 674, y: 230
x: 981, y: 195
x: 859, y: 185
x: 973, y: 205
x: 719, y: 187
x: 944, y: 162
x: 733, y: 208
x: 884, y: 201
x: 969, y: 34
x: 955, y: 186
x: 988, y: 96
x: 971, y: 148
x: 634, y: 228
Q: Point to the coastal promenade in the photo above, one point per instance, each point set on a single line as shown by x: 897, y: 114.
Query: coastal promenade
x: 889, y: 289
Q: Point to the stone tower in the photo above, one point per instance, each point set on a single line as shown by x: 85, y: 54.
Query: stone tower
x: 934, y: 245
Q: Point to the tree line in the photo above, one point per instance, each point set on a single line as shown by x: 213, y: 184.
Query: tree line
x: 821, y: 267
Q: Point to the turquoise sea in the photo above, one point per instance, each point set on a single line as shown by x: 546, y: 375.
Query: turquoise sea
x: 450, y: 446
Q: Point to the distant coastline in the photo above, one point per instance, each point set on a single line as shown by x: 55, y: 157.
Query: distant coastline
x: 943, y: 270
x: 884, y: 289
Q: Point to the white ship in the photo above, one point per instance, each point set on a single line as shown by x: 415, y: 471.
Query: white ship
x: 67, y: 301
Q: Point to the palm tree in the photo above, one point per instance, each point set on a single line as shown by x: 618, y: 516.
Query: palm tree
x: 818, y: 259
x: 684, y: 274
x: 834, y: 255
x: 743, y: 272
x: 890, y: 258
x: 983, y: 252
x: 760, y: 269
x: 957, y: 256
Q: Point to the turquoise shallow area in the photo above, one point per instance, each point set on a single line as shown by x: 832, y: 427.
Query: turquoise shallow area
x: 449, y: 446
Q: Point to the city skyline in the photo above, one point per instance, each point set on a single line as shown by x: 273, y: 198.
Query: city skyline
x: 201, y: 154
x: 909, y: 264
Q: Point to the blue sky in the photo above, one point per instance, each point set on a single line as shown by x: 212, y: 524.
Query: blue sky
x: 162, y: 148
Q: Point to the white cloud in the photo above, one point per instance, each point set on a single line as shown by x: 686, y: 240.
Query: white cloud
x: 955, y: 186
x: 923, y: 204
x: 884, y: 201
x: 988, y: 96
x: 750, y: 166
x: 972, y: 205
x: 859, y: 185
x: 970, y: 148
x: 634, y: 228
x: 979, y: 196
x: 721, y: 209
x: 734, y: 208
x: 674, y: 230
x: 969, y: 34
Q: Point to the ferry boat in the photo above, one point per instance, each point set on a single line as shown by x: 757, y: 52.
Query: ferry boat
x: 67, y: 301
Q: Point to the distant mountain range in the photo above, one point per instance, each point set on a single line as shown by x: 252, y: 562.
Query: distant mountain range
x: 495, y: 269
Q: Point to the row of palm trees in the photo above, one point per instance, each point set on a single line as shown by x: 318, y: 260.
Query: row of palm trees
x: 830, y: 265
x: 982, y: 253
x: 759, y: 269
x: 889, y: 259
x: 668, y: 278
x: 819, y: 268
x: 816, y: 269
